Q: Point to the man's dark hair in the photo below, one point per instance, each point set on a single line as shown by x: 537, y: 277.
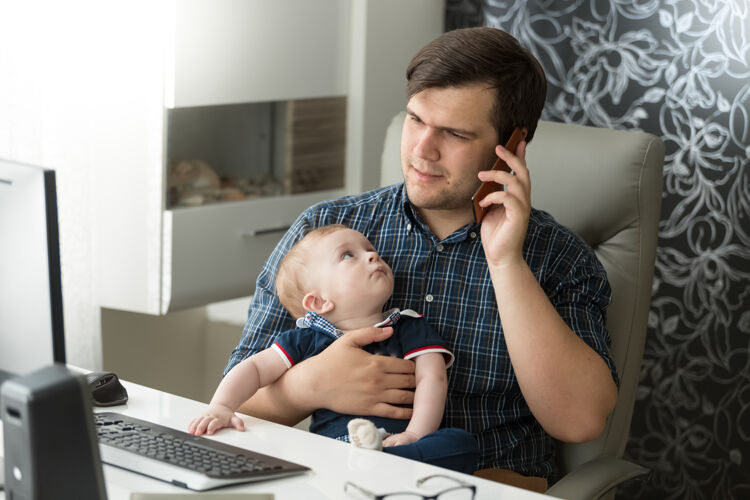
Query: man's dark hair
x: 485, y: 55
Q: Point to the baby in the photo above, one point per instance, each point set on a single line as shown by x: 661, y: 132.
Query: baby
x: 333, y: 280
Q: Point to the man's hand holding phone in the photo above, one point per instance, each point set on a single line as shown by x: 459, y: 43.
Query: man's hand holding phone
x: 506, y: 211
x: 486, y: 188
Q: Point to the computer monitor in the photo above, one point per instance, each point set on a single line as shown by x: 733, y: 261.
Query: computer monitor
x: 31, y: 315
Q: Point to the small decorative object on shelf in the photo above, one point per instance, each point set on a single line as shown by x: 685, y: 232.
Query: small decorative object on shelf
x: 251, y: 150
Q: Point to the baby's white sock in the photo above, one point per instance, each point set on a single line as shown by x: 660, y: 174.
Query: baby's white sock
x: 364, y: 434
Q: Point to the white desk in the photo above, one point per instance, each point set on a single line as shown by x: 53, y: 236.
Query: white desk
x: 332, y: 462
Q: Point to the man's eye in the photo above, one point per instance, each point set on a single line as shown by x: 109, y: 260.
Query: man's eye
x: 457, y: 136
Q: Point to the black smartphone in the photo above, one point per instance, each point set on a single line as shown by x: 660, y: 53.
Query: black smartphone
x: 490, y: 187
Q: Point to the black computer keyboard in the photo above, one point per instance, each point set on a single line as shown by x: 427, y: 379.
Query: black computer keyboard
x: 180, y: 458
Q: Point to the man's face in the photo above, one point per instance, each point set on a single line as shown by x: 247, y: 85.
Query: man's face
x: 347, y: 271
x: 446, y: 140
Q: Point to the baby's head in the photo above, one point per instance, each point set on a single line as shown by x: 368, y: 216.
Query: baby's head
x: 336, y: 272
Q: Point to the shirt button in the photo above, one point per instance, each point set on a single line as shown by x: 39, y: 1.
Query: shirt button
x: 440, y: 248
x: 408, y: 227
x: 429, y: 297
x: 473, y: 234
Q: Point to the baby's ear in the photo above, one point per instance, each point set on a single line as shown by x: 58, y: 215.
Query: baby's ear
x: 312, y: 302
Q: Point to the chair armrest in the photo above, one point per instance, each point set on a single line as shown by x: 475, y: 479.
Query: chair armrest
x: 595, y: 478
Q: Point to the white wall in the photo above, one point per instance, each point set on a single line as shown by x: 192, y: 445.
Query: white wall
x: 39, y: 104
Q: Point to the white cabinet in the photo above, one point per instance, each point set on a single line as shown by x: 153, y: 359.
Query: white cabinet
x: 232, y: 51
x: 215, y: 252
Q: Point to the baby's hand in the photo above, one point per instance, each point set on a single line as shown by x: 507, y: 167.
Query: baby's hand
x: 215, y: 418
x: 399, y: 439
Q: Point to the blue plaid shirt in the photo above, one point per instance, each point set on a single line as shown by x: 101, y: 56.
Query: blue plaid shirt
x: 448, y: 281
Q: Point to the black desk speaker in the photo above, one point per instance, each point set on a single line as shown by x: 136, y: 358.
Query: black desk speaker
x: 51, y: 449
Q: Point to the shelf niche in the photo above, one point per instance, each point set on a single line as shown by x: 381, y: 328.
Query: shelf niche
x: 253, y: 150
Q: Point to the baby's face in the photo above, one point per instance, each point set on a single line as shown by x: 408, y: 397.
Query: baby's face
x: 349, y: 272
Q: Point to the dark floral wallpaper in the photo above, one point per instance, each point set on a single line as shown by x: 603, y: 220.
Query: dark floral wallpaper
x: 679, y: 69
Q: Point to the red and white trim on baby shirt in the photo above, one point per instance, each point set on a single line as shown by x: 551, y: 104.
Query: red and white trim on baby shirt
x: 449, y: 357
x: 285, y: 357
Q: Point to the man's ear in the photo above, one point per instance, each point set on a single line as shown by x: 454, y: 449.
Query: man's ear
x: 312, y: 302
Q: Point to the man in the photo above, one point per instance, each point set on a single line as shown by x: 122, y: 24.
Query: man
x: 521, y: 307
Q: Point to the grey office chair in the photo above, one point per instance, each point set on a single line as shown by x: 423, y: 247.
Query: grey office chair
x: 606, y: 186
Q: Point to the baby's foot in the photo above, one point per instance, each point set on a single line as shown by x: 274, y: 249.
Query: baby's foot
x: 364, y: 434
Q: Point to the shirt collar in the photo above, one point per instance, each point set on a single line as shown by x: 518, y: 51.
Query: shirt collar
x: 390, y: 318
x: 413, y: 220
x: 320, y: 324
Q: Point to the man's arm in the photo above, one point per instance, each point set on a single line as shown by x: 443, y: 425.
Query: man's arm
x: 566, y: 384
x: 343, y: 378
x: 429, y: 400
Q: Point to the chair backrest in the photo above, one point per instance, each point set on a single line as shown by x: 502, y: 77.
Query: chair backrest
x: 605, y: 185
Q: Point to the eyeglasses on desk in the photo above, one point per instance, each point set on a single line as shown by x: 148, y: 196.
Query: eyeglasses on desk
x: 443, y: 488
